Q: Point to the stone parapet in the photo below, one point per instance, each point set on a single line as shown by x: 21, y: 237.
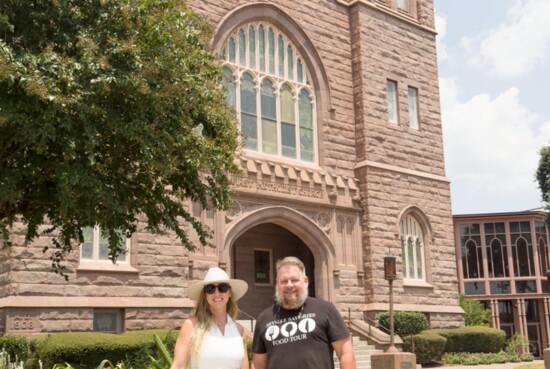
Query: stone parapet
x: 291, y: 182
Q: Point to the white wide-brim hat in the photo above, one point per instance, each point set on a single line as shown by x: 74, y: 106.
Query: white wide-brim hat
x: 217, y: 275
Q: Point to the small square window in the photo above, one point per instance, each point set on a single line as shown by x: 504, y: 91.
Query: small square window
x: 107, y: 321
x: 262, y: 267
x: 413, y: 107
x: 391, y: 92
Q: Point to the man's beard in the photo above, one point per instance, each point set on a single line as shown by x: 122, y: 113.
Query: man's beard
x: 291, y: 304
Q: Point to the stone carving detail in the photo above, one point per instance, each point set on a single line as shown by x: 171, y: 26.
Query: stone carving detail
x: 323, y: 220
x: 234, y: 212
x: 286, y: 180
x: 23, y: 323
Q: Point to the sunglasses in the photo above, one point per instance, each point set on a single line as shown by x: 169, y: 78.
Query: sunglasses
x: 211, y: 288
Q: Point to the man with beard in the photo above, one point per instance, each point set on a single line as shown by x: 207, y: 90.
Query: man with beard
x: 299, y: 331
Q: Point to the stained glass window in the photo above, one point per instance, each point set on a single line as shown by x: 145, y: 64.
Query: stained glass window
x: 268, y: 84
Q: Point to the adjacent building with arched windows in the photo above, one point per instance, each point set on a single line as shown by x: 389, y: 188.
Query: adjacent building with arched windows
x: 342, y: 163
x: 502, y: 259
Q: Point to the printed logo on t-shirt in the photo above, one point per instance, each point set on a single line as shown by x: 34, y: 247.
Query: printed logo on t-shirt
x: 291, y: 329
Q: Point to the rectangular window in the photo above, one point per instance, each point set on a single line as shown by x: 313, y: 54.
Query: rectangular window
x: 526, y: 287
x: 403, y: 5
x: 500, y: 287
x: 413, y: 107
x: 391, y: 91
x: 474, y: 288
x: 96, y: 246
x: 262, y: 267
x: 107, y: 321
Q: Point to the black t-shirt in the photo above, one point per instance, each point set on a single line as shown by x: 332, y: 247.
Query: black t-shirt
x: 301, y: 338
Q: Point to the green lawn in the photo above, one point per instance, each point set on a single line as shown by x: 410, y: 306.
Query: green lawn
x: 531, y: 366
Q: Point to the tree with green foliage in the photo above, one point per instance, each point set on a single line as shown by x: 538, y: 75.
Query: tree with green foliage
x: 110, y: 110
x: 475, y: 314
x: 543, y: 178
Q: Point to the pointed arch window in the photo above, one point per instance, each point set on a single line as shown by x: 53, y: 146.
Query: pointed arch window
x: 269, y: 86
x: 522, y: 249
x: 471, y: 251
x: 541, y: 237
x: 412, y: 249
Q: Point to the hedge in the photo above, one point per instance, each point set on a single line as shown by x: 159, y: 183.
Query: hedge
x: 15, y: 347
x: 428, y: 346
x: 85, y: 350
x: 473, y: 339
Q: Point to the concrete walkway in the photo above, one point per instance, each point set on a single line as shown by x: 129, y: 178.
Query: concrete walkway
x: 491, y: 366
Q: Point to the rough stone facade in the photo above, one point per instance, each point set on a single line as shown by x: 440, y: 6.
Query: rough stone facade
x: 341, y: 214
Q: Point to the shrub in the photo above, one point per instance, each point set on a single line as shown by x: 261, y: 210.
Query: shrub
x: 15, y: 346
x: 473, y: 339
x: 465, y: 358
x: 475, y: 314
x: 516, y: 344
x: 82, y: 350
x: 428, y: 346
x: 7, y: 363
x: 404, y: 323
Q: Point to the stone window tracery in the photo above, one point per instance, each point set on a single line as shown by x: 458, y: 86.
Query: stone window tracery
x: 269, y: 87
x: 412, y: 249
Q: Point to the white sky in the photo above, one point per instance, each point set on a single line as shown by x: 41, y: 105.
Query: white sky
x: 494, y: 75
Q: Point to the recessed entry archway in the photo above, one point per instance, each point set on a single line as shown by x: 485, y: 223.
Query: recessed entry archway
x: 255, y: 240
x: 254, y: 256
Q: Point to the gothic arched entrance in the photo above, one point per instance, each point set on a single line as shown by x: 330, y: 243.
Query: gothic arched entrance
x: 256, y: 239
x: 254, y: 256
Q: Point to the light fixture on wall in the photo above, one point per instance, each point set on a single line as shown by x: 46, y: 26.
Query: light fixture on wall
x: 390, y: 274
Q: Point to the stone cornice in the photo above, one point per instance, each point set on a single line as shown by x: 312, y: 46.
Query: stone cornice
x: 393, y: 168
x: 96, y: 302
x: 311, y: 184
x: 448, y: 309
x: 384, y: 9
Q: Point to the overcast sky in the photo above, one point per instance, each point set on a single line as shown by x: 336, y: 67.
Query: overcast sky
x: 494, y: 75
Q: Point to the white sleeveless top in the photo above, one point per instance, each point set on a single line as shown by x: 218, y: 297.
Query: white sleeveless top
x: 221, y: 351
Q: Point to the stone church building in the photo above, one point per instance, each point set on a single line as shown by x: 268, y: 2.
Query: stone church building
x: 342, y: 163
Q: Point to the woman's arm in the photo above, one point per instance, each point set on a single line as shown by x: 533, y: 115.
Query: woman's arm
x: 245, y: 364
x: 183, y: 345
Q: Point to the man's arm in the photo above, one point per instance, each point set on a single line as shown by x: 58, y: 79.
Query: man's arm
x: 259, y: 361
x: 344, y: 350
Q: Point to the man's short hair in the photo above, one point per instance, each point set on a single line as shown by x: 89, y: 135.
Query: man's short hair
x: 290, y: 261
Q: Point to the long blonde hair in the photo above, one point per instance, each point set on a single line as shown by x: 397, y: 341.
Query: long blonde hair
x: 205, y: 321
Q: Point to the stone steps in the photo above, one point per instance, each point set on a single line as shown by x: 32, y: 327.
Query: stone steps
x: 362, y: 351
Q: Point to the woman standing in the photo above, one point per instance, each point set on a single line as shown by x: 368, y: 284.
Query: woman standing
x: 210, y: 338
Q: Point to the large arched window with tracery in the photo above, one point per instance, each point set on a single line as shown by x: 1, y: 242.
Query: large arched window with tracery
x: 269, y: 86
x: 412, y: 249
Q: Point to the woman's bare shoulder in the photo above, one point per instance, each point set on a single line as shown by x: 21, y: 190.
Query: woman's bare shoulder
x: 189, y: 323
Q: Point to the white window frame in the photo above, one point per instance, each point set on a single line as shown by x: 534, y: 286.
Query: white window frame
x: 412, y: 230
x: 404, y: 5
x: 392, y: 98
x: 412, y: 98
x: 95, y: 263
